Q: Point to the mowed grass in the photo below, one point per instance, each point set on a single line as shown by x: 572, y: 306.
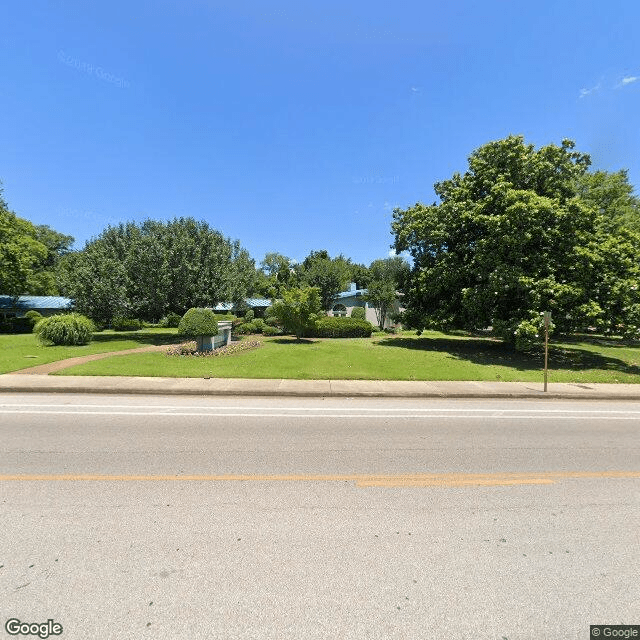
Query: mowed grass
x: 432, y: 356
x: 22, y: 351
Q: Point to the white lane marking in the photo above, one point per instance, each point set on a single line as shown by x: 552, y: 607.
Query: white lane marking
x: 378, y: 415
x: 416, y: 410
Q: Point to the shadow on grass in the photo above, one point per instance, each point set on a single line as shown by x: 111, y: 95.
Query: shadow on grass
x: 294, y: 341
x: 600, y: 341
x: 141, y: 337
x: 496, y: 353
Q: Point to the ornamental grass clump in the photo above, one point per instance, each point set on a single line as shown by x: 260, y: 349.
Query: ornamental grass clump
x: 64, y: 329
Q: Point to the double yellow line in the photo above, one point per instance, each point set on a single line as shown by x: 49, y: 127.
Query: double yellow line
x: 360, y: 480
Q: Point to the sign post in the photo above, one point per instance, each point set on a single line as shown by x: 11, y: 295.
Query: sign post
x: 547, y: 321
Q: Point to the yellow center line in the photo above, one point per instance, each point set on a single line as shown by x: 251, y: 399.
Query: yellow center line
x: 361, y: 480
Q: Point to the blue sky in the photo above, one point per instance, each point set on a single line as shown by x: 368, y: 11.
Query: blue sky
x: 292, y: 126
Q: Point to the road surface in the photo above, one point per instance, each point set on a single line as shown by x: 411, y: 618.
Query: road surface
x: 184, y: 517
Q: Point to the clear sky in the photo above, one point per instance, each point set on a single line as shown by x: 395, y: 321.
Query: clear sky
x: 294, y: 126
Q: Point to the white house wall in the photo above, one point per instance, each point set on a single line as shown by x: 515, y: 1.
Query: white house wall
x: 370, y: 312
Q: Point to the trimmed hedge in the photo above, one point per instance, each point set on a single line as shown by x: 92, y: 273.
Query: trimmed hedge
x: 67, y: 329
x: 198, y: 322
x: 330, y: 327
x: 126, y: 324
x: 225, y: 316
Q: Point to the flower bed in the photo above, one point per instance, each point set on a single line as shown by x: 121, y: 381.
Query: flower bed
x: 190, y: 349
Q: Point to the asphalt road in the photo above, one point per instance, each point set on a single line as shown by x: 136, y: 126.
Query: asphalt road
x: 182, y: 517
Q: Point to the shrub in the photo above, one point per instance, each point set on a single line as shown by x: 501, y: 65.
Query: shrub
x: 272, y: 321
x: 198, y: 322
x: 170, y: 320
x: 17, y: 325
x: 342, y: 328
x: 268, y: 330
x: 249, y: 316
x: 298, y: 309
x: 259, y: 325
x: 245, y: 328
x: 358, y: 313
x: 126, y: 324
x: 269, y: 315
x: 67, y: 329
x: 34, y: 316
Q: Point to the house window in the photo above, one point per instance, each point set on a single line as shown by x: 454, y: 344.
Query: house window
x: 340, y: 311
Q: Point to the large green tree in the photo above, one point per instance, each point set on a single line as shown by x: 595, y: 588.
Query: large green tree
x: 386, y: 277
x: 43, y: 279
x: 513, y: 236
x: 611, y: 194
x: 20, y: 252
x: 28, y: 255
x: 329, y: 275
x: 278, y: 274
x: 152, y: 268
x: 298, y: 309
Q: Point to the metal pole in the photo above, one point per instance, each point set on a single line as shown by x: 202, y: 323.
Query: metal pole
x: 547, y: 320
x: 546, y: 353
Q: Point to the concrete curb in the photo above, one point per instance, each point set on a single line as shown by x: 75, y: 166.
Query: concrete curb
x: 21, y: 383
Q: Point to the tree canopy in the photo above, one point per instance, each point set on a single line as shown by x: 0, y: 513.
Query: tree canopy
x: 149, y: 269
x: 386, y: 277
x: 28, y: 255
x: 298, y: 309
x: 612, y: 196
x: 329, y: 275
x: 521, y: 231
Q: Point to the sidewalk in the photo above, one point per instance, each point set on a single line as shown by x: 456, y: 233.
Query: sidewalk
x: 40, y: 383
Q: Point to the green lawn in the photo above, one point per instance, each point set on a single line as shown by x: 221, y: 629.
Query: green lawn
x: 433, y: 356
x: 23, y: 350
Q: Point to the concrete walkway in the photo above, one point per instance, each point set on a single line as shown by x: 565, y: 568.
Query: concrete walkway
x: 40, y: 383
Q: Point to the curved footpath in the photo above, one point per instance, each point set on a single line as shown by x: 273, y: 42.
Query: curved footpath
x: 58, y: 365
x: 36, y: 379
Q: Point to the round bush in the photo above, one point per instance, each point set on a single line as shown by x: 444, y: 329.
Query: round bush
x: 359, y: 313
x: 198, y: 322
x: 33, y: 317
x: 170, y: 320
x: 67, y: 329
